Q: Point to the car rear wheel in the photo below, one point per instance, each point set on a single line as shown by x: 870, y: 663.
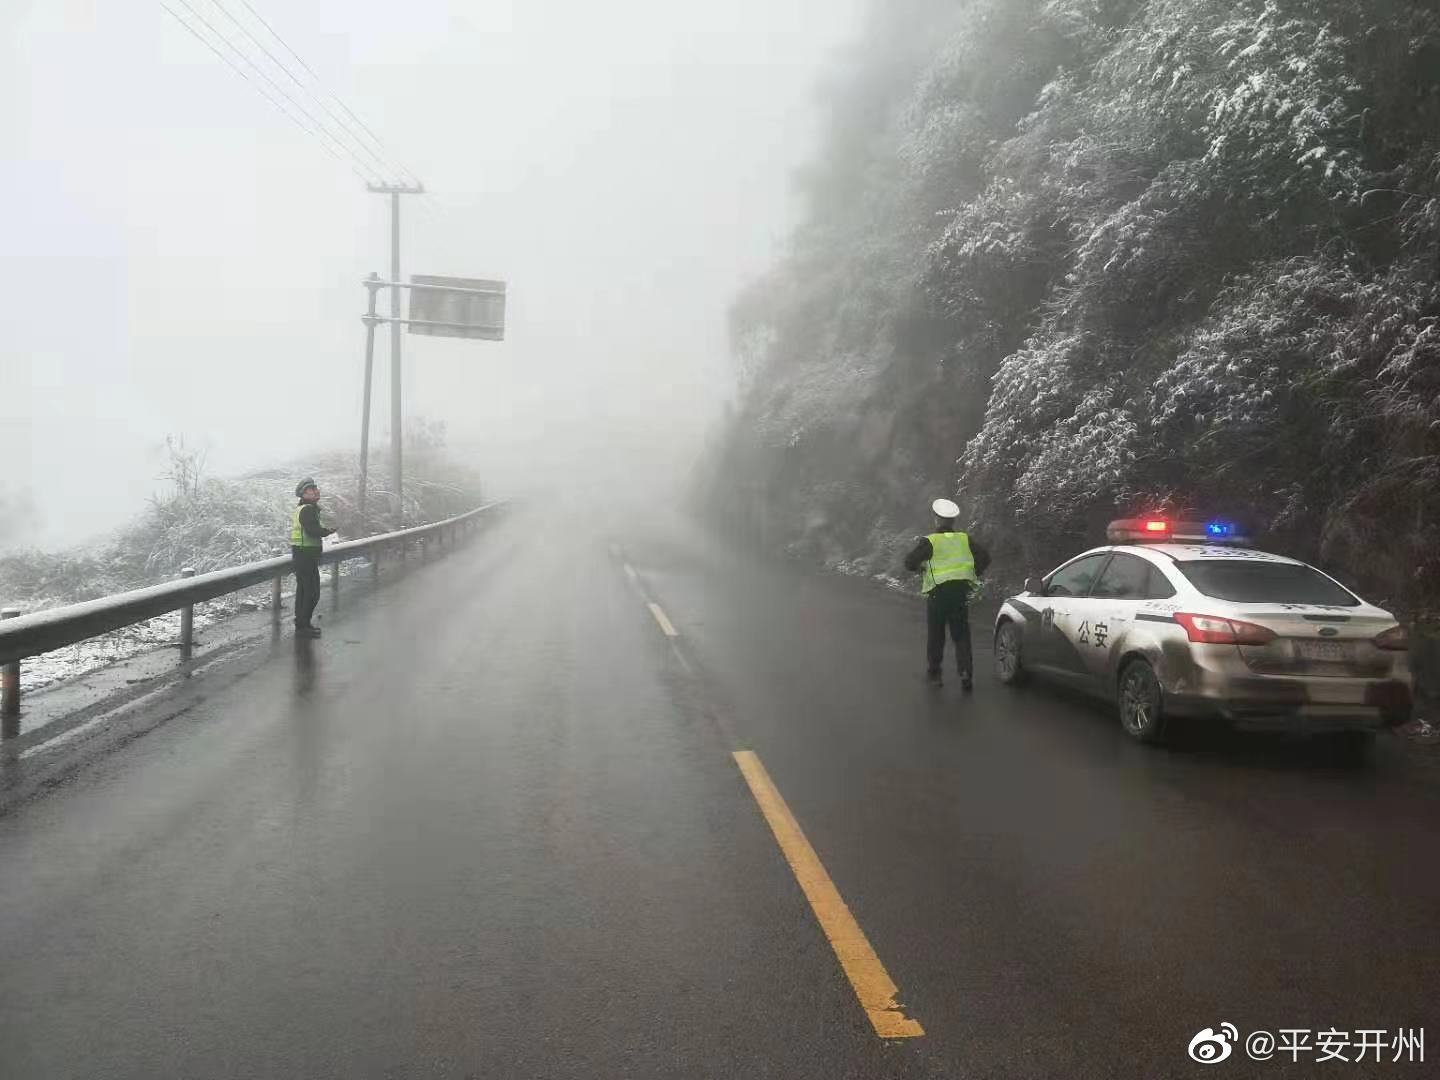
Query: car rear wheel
x: 1142, y: 702
x: 1009, y: 662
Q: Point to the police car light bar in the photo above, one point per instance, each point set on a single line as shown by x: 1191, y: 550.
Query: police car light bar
x: 1157, y: 530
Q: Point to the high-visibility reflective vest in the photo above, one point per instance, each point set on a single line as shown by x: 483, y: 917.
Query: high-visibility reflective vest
x: 298, y: 536
x: 950, y: 560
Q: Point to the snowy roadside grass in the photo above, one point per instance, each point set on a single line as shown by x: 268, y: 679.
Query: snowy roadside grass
x: 39, y: 672
x: 1420, y: 731
x: 161, y: 632
x: 1425, y: 667
x: 891, y: 582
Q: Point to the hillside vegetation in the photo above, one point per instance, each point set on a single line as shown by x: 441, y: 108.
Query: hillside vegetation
x: 1070, y: 259
x: 211, y: 522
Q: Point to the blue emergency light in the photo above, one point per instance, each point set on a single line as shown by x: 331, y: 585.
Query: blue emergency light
x: 1220, y: 529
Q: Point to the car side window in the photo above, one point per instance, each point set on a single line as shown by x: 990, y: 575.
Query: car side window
x: 1159, y: 587
x: 1076, y: 578
x: 1126, y: 578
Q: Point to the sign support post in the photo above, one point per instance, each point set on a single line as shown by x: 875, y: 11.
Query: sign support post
x: 439, y: 307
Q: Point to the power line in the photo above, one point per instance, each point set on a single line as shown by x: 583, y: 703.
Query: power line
x: 384, y: 166
x: 343, y: 159
x: 380, y: 146
x: 316, y: 128
x: 322, y: 131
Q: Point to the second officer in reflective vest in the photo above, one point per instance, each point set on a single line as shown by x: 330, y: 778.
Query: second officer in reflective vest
x: 951, y: 563
x: 307, y: 535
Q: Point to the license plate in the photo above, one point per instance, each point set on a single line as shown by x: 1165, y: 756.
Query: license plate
x: 1333, y: 651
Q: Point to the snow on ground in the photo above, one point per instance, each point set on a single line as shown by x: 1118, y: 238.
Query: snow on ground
x: 161, y: 632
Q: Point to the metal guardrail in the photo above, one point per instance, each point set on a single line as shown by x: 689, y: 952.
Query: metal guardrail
x: 44, y: 631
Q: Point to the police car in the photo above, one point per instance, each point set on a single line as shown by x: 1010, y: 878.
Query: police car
x: 1184, y: 619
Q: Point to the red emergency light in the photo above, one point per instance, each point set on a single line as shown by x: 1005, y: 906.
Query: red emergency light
x: 1157, y: 525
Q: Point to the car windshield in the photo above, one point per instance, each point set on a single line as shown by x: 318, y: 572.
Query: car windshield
x: 1248, y: 581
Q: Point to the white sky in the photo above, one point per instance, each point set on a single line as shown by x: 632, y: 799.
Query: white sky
x: 179, y: 259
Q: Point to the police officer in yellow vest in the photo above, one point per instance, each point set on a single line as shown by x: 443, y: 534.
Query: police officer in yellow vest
x: 951, y: 563
x: 307, y: 536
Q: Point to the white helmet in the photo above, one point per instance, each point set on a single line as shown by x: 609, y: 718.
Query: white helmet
x: 944, y: 508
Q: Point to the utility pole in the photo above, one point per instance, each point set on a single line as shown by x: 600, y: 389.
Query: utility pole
x: 396, y: 434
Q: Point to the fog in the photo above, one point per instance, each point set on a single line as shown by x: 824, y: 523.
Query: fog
x: 180, y: 259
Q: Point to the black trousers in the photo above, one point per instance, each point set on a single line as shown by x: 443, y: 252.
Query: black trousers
x: 947, y: 607
x: 306, y: 563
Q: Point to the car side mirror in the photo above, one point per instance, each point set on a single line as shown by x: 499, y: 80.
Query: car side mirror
x: 1035, y: 586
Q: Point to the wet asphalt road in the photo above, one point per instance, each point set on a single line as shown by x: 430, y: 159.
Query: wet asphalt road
x: 491, y: 826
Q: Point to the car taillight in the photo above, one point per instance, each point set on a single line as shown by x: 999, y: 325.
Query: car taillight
x: 1213, y: 630
x: 1394, y: 638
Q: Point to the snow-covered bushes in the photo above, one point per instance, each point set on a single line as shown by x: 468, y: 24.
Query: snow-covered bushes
x: 1185, y: 254
x: 209, y: 523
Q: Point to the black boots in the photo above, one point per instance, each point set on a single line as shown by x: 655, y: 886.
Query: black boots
x: 933, y: 678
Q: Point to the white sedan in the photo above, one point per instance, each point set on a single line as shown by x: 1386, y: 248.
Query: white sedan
x: 1181, y: 619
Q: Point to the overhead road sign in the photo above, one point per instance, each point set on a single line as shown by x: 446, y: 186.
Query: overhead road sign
x: 457, y: 307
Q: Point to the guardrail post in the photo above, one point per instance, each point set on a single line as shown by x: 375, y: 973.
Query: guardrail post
x: 10, y: 681
x: 187, y: 622
x: 335, y: 581
x: 375, y: 564
x: 275, y: 587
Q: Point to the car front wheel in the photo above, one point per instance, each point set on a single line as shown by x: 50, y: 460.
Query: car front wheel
x: 1009, y: 661
x: 1142, y: 702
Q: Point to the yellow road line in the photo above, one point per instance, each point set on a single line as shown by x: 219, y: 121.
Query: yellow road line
x: 862, y: 967
x: 665, y: 624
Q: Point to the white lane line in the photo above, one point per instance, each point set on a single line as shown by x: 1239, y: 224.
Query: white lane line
x: 665, y: 624
x: 634, y: 577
